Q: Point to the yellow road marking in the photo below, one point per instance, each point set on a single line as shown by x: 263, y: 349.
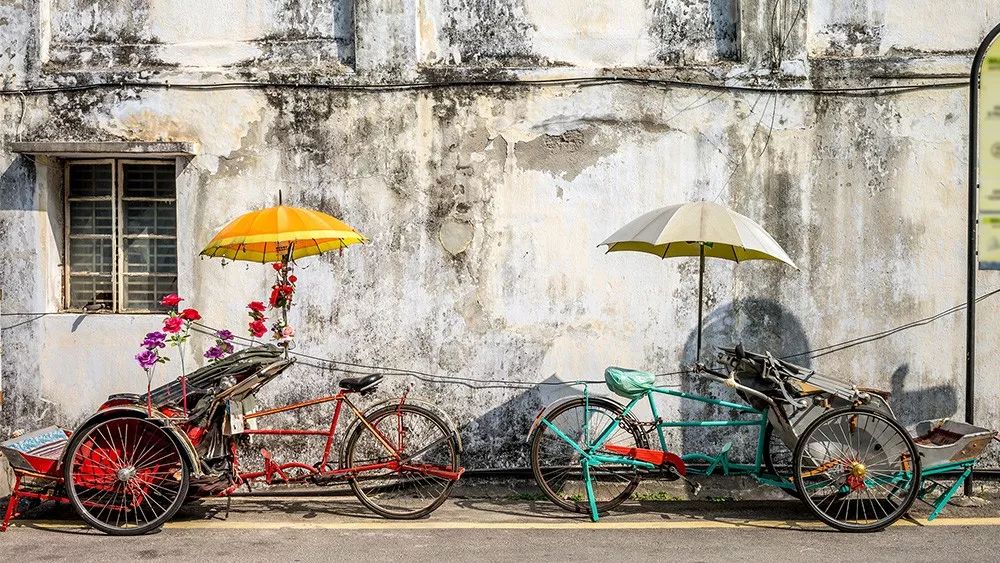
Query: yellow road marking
x: 433, y: 525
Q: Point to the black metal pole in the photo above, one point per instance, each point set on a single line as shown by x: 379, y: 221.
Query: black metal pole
x: 972, y: 258
x: 701, y: 283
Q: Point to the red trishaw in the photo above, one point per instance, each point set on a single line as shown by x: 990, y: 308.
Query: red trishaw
x: 128, y: 468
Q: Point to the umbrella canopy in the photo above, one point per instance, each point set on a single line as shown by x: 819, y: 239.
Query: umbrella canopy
x: 690, y: 229
x: 266, y: 235
x: 697, y: 229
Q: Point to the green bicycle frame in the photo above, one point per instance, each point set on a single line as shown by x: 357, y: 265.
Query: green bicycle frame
x: 591, y: 455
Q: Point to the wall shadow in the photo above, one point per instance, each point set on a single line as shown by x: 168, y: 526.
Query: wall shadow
x: 925, y: 403
x: 17, y: 186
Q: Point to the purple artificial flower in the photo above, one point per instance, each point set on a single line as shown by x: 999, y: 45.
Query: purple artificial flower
x: 147, y: 359
x: 224, y: 335
x: 154, y: 340
x: 214, y: 353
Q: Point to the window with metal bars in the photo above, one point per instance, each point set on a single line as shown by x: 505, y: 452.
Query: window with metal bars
x: 121, y: 234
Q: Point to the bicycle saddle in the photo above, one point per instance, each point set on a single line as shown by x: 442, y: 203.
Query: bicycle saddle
x: 365, y: 384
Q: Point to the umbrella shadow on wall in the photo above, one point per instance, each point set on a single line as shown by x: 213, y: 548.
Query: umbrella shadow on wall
x: 760, y: 325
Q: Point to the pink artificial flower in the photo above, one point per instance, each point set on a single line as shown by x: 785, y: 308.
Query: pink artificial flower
x: 288, y: 332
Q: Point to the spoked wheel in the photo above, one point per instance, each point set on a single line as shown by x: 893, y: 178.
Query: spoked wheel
x: 857, y: 469
x: 420, y: 479
x: 556, y: 463
x: 125, y: 476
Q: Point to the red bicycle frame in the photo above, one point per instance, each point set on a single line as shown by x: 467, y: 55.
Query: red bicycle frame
x: 272, y: 469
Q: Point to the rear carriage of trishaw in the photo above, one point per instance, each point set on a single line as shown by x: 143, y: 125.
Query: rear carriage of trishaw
x: 130, y: 466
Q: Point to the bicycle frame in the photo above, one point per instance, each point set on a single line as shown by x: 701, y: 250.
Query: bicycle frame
x: 320, y: 470
x: 593, y: 456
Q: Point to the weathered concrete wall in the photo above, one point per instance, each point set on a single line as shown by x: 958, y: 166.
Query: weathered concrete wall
x: 484, y: 204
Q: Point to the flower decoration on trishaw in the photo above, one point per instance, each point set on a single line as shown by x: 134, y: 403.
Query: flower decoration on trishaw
x: 129, y: 467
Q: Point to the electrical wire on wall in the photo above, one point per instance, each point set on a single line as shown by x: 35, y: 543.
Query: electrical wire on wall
x: 888, y: 89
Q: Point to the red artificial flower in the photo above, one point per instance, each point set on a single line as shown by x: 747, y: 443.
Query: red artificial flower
x: 190, y: 315
x: 277, y: 266
x: 256, y: 306
x: 173, y: 324
x: 286, y: 289
x: 274, y: 297
x: 292, y: 278
x: 258, y: 328
x: 170, y: 300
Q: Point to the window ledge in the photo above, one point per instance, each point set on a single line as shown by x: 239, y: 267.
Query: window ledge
x: 107, y: 149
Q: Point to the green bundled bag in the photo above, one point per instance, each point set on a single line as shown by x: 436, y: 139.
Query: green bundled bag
x: 628, y: 383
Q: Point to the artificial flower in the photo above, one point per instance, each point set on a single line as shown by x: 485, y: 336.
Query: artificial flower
x: 293, y: 279
x: 288, y: 332
x: 173, y: 324
x: 147, y: 359
x: 214, y: 353
x: 170, y: 300
x: 224, y: 335
x: 256, y: 306
x: 258, y: 328
x: 190, y: 315
x: 276, y: 266
x: 154, y: 340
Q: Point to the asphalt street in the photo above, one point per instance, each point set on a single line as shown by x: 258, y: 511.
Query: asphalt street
x: 327, y: 528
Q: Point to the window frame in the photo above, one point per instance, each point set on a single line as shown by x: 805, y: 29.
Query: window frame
x: 118, y: 236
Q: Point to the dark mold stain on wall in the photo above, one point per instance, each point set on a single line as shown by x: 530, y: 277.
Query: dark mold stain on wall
x: 488, y: 32
x: 682, y: 26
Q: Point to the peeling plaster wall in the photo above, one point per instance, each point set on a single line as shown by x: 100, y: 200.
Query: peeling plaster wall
x: 485, y: 204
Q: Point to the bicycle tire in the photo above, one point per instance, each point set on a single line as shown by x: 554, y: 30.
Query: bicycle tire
x: 545, y: 482
x: 451, y: 452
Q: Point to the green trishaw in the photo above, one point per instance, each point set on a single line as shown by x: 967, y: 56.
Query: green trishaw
x: 850, y: 461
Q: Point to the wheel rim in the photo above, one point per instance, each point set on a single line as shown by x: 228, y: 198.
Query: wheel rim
x: 858, y: 469
x: 558, y: 466
x: 412, y: 486
x: 126, y: 474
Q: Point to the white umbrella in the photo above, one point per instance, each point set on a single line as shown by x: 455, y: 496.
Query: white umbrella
x: 697, y: 229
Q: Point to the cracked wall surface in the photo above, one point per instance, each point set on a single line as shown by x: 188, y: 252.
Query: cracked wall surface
x: 484, y: 204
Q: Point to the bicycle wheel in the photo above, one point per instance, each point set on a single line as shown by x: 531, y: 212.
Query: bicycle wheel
x: 778, y: 459
x: 556, y: 464
x: 427, y: 446
x: 857, y: 469
x: 125, y: 476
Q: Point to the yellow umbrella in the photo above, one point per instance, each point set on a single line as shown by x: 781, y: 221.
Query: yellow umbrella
x: 281, y: 233
x: 697, y: 229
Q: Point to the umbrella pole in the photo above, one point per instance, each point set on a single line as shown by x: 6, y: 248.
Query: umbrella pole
x: 701, y: 283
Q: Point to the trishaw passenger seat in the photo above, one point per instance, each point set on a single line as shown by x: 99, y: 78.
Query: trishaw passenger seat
x: 365, y: 384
